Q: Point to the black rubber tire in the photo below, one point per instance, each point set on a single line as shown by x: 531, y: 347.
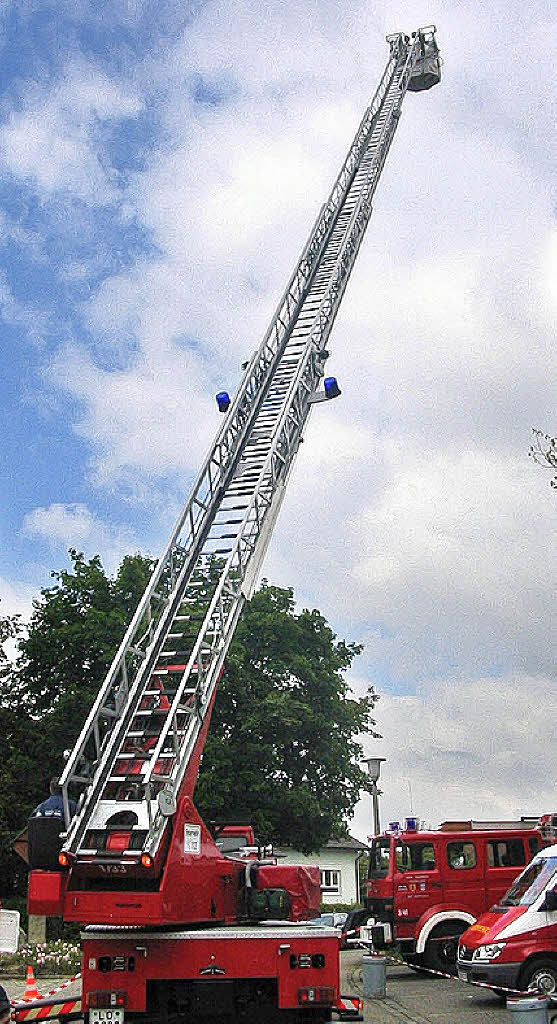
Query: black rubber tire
x: 540, y: 975
x: 441, y: 956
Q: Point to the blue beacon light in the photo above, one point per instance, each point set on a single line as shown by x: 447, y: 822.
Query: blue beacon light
x: 332, y: 389
x: 223, y: 401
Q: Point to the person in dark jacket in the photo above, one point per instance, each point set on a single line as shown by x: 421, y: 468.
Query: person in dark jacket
x: 53, y: 807
x: 5, y: 1009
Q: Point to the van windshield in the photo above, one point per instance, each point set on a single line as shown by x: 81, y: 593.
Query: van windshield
x: 379, y: 858
x: 528, y: 886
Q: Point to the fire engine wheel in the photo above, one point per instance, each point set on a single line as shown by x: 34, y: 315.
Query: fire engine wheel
x: 441, y: 946
x: 540, y: 975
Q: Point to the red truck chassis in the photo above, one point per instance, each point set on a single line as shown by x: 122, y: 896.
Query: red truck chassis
x: 245, y: 973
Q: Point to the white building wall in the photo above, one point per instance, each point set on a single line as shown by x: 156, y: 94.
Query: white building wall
x: 338, y: 872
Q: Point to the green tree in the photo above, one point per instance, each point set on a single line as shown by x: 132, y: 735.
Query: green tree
x: 74, y: 631
x: 19, y: 735
x: 283, y: 748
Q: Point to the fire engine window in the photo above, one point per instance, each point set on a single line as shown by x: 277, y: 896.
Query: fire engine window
x: 505, y: 853
x: 379, y: 858
x: 461, y: 855
x: 415, y: 857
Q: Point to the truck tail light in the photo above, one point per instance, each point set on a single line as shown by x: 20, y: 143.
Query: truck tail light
x: 320, y: 995
x: 146, y: 860
x: 63, y: 860
x: 100, y: 999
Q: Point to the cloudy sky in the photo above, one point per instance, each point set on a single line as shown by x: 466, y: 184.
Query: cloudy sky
x: 161, y: 164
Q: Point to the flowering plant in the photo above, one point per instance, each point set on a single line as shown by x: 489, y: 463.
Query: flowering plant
x: 47, y: 958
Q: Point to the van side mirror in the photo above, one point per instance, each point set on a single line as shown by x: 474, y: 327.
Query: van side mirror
x: 550, y: 901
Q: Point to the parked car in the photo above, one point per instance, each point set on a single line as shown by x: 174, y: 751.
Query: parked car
x: 331, y: 920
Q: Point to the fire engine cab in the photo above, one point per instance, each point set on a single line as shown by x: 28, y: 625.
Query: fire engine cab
x: 425, y: 888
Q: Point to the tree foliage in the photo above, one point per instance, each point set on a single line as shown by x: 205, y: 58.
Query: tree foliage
x: 74, y: 631
x: 283, y: 744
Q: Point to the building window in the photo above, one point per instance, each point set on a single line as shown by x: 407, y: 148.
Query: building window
x: 330, y: 881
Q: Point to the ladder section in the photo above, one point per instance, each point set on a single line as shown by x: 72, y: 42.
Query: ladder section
x: 135, y: 747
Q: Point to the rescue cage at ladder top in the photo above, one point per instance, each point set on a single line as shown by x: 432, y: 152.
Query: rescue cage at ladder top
x: 134, y: 766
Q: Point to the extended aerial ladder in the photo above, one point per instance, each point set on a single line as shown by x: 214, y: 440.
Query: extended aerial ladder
x: 137, y: 755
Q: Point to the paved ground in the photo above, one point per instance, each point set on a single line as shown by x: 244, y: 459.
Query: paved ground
x: 415, y: 999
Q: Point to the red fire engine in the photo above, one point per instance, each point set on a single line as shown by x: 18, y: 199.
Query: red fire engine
x: 180, y: 919
x: 425, y: 888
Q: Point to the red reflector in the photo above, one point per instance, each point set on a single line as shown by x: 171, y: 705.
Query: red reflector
x: 118, y: 840
x: 102, y: 999
x: 309, y: 996
x: 146, y: 860
x: 63, y: 860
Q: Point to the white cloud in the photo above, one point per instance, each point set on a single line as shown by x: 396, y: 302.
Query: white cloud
x: 148, y: 420
x: 53, y: 140
x: 465, y: 749
x: 16, y: 598
x: 74, y: 525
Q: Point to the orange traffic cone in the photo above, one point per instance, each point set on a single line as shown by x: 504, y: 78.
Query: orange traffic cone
x: 31, y: 990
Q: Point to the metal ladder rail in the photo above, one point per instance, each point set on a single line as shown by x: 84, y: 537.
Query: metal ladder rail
x: 113, y: 686
x: 136, y: 641
x: 279, y: 383
x: 161, y: 741
x: 160, y: 747
x: 261, y: 448
x: 260, y: 455
x: 380, y: 161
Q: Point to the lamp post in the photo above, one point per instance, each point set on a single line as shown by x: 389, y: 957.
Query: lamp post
x: 374, y: 771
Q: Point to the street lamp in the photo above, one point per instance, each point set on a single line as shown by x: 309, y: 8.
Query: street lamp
x: 374, y: 771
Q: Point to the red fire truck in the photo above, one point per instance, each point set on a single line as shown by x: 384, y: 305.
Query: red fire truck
x: 181, y: 924
x: 425, y: 888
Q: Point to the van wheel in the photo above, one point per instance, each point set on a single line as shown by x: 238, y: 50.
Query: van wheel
x: 441, y: 946
x: 540, y: 976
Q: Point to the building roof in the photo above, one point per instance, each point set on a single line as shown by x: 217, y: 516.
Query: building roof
x: 347, y: 843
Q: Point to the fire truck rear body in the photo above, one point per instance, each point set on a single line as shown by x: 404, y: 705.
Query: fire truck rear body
x: 208, y: 970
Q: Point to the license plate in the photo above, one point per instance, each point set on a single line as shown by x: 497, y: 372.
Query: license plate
x: 463, y: 975
x: 107, y: 1016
